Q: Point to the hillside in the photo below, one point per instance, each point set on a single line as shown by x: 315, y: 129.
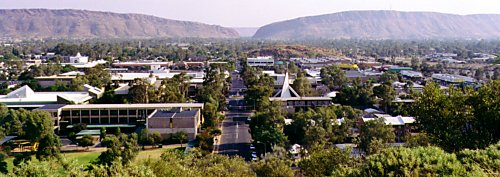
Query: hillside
x: 293, y: 51
x: 246, y: 31
x: 384, y: 25
x: 43, y: 23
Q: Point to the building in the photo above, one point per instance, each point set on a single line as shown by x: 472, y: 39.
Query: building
x: 170, y: 122
x: 25, y: 97
x: 288, y: 98
x: 452, y: 79
x: 143, y: 64
x: 266, y: 61
x: 46, y: 81
x: 412, y: 75
x: 76, y: 59
x: 318, y: 63
x: 402, y: 125
x: 128, y: 117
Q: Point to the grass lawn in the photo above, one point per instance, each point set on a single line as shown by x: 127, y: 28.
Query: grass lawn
x: 84, y: 158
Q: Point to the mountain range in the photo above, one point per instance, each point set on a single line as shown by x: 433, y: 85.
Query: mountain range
x: 384, y: 25
x: 44, y: 23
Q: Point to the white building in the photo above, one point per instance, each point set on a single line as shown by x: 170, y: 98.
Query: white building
x: 266, y: 61
x: 26, y: 97
x: 78, y: 59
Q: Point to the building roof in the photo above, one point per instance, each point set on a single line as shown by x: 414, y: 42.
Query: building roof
x: 51, y: 107
x: 170, y: 114
x: 286, y: 90
x: 453, y: 78
x: 133, y: 106
x: 25, y: 95
x: 23, y: 92
x: 390, y: 120
x: 413, y: 74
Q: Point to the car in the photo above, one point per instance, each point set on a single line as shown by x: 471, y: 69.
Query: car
x: 252, y: 147
x: 254, y: 158
x: 254, y: 155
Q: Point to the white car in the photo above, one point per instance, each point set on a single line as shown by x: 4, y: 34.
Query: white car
x: 252, y: 147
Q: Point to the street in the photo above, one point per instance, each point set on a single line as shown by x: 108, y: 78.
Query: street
x: 235, y: 138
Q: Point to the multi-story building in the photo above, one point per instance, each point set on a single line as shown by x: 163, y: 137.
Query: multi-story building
x: 266, y: 61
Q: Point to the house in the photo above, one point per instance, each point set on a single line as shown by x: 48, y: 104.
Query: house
x: 403, y: 125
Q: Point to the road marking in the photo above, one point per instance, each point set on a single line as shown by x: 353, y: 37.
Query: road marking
x: 237, y: 125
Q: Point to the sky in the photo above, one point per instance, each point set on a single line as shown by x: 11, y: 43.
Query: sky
x: 255, y: 13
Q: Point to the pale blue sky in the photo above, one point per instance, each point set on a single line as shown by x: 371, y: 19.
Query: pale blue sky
x: 254, y: 13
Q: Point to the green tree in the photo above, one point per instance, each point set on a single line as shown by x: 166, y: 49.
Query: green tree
x: 180, y: 137
x: 139, y: 91
x: 386, y: 93
x: 420, y: 161
x: 86, y: 141
x: 267, y: 127
x: 102, y: 133
x: 3, y: 164
x: 333, y: 77
x: 374, y: 135
x: 485, y: 159
x: 324, y: 162
x: 123, y: 148
x: 276, y: 164
x: 143, y: 137
x: 302, y: 86
x: 157, y: 138
x: 39, y: 129
x: 456, y: 120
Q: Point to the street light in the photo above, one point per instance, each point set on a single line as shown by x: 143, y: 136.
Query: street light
x: 265, y: 149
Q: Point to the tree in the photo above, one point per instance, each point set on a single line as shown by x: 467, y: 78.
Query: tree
x: 324, y: 162
x: 333, y: 77
x: 267, y: 127
x: 157, y: 138
x: 180, y: 137
x: 459, y: 119
x: 98, y: 76
x: 420, y: 161
x: 102, y: 133
x: 485, y: 159
x: 3, y: 164
x: 123, y: 148
x: 86, y: 141
x: 143, y: 137
x: 276, y: 164
x: 388, y: 78
x: 374, y: 135
x: 139, y: 91
x: 302, y: 86
x: 386, y: 93
x: 39, y: 129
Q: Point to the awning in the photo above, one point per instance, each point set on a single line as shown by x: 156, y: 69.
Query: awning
x: 107, y: 126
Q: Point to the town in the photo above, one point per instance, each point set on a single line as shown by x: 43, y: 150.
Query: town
x: 258, y: 88
x: 217, y: 100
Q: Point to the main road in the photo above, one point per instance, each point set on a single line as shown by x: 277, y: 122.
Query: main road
x: 235, y: 138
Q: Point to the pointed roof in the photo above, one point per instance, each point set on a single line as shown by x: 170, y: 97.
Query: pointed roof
x: 23, y: 92
x: 287, y: 91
